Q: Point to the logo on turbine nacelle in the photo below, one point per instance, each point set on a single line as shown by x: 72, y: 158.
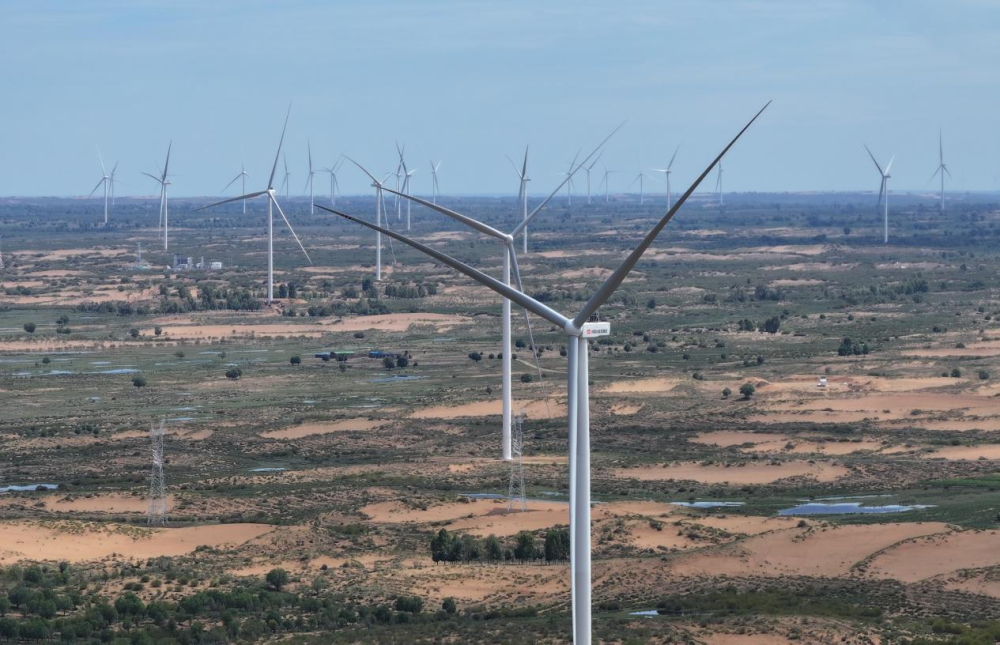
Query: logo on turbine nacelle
x: 593, y: 329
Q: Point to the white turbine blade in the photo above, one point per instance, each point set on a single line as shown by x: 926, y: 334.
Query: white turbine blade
x: 289, y: 225
x: 527, y: 220
x: 232, y: 182
x: 619, y: 275
x: 153, y: 177
x: 890, y: 164
x: 934, y: 175
x: 529, y: 303
x: 527, y: 320
x: 274, y: 168
x: 468, y: 221
x: 671, y: 164
x: 167, y: 164
x: 881, y: 192
x: 948, y: 172
x: 873, y: 159
x: 233, y: 199
x: 104, y: 170
x: 633, y: 181
x: 95, y: 188
x: 377, y: 182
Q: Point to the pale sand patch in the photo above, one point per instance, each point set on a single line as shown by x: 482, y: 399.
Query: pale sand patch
x: 974, y: 350
x: 102, y: 504
x: 55, y: 273
x: 814, y: 447
x: 625, y: 409
x: 570, y: 254
x: 745, y: 524
x: 198, y: 435
x: 397, y: 513
x: 76, y: 542
x: 532, y: 409
x: 844, y: 384
x: 751, y: 639
x: 224, y: 331
x: 49, y: 345
x: 642, y: 386
x: 933, y: 556
x: 540, y: 515
x: 829, y: 551
x: 747, y: 474
x: 589, y: 272
x: 453, y: 236
x: 966, y: 453
x: 523, y: 584
x: 323, y: 427
x: 804, y: 282
x: 811, y: 266
x: 397, y: 322
x: 886, y: 407
x: 980, y: 584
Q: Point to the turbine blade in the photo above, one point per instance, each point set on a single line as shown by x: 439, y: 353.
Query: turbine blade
x: 468, y: 221
x: 934, y: 175
x: 289, y: 225
x: 233, y: 199
x: 377, y: 182
x: 947, y: 171
x: 232, y: 182
x: 95, y: 188
x: 274, y: 168
x: 873, y: 159
x: 524, y: 223
x: 671, y: 164
x: 527, y: 320
x: 153, y: 177
x: 513, y: 165
x: 890, y: 164
x: 881, y: 192
x: 529, y: 303
x: 619, y: 275
x: 167, y: 164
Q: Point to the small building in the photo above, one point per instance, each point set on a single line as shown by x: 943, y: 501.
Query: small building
x: 822, y: 382
x: 380, y: 354
x: 340, y: 355
x: 215, y: 265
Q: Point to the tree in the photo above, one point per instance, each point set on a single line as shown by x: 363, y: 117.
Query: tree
x: 493, y: 548
x: 726, y: 392
x: 158, y: 330
x: 29, y: 327
x: 128, y: 604
x: 747, y: 390
x: 410, y: 604
x: 139, y: 381
x: 772, y: 324
x: 441, y: 546
x: 389, y: 362
x: 134, y: 333
x: 402, y: 362
x: 526, y: 378
x: 449, y: 605
x: 651, y: 303
x: 475, y: 356
x: 277, y: 578
x: 295, y: 360
x: 524, y: 546
x: 234, y: 373
x: 557, y: 545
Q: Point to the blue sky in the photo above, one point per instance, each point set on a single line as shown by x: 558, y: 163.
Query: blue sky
x: 467, y: 82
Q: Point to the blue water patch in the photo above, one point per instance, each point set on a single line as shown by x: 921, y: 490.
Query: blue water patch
x: 644, y: 612
x: 483, y: 495
x: 213, y: 353
x: 848, y: 508
x: 120, y: 370
x: 268, y: 470
x: 27, y: 488
x: 309, y: 402
x: 442, y: 340
x: 184, y: 409
x: 178, y: 419
x: 100, y: 362
x: 707, y: 504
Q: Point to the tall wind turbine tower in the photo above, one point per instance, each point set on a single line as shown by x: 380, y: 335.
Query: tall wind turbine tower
x: 164, y: 211
x: 669, y: 169
x: 522, y: 192
x: 334, y: 184
x: 515, y: 491
x: 641, y: 177
x: 285, y: 183
x: 242, y: 176
x: 587, y: 170
x: 406, y: 175
x: 435, y: 189
x: 272, y: 205
x: 942, y: 169
x: 718, y: 185
x: 106, y: 182
x: 883, y: 193
x: 309, y: 181
x: 606, y: 180
x: 157, y: 486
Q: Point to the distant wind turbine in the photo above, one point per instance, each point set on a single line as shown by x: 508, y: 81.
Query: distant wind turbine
x: 587, y: 170
x: 605, y: 179
x: 942, y: 169
x: 334, y: 185
x: 286, y: 183
x: 379, y: 187
x: 406, y: 175
x: 666, y: 172
x: 106, y: 181
x: 522, y: 192
x: 579, y: 331
x: 272, y: 203
x: 309, y: 180
x: 164, y: 210
x: 883, y: 192
x: 243, y: 175
x: 718, y: 184
x: 641, y: 177
x: 435, y: 189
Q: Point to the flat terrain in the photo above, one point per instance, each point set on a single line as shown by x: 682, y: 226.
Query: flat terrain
x: 861, y: 509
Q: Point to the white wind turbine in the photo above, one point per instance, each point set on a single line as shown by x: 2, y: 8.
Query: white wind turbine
x: 569, y: 184
x: 641, y: 177
x: 587, y: 170
x: 718, y: 185
x: 666, y: 172
x: 309, y: 180
x: 285, y: 183
x: 406, y: 174
x: 164, y: 210
x: 107, y: 181
x: 579, y: 331
x: 435, y: 190
x: 334, y: 184
x: 522, y: 193
x: 272, y: 203
x: 509, y: 262
x: 379, y: 187
x: 243, y: 176
x: 605, y: 179
x: 942, y: 169
x: 883, y: 192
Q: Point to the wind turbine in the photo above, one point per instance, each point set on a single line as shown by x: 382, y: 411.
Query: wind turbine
x: 942, y: 169
x: 883, y: 191
x: 579, y: 331
x: 666, y: 172
x: 309, y: 180
x: 285, y: 183
x: 718, y: 185
x: 587, y: 170
x: 406, y: 183
x: 164, y: 211
x: 639, y: 178
x: 522, y: 193
x: 569, y: 184
x: 435, y: 191
x: 509, y: 258
x: 379, y: 187
x: 106, y: 180
x: 243, y: 175
x: 334, y: 185
x: 607, y: 184
x: 272, y: 203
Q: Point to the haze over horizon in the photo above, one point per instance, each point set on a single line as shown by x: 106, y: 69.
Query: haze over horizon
x: 466, y: 83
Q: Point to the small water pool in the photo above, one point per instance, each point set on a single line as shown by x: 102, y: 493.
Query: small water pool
x: 268, y: 469
x: 27, y: 488
x: 845, y: 508
x: 707, y: 504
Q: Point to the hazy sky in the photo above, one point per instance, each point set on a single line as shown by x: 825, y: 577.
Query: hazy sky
x: 467, y: 82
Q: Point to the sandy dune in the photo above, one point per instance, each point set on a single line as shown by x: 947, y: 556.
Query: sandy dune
x: 532, y: 409
x: 642, y: 386
x: 755, y: 473
x: 324, y: 427
x: 933, y: 556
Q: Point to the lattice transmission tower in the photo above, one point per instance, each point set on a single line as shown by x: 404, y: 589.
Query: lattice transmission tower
x: 516, y: 499
x: 157, y: 485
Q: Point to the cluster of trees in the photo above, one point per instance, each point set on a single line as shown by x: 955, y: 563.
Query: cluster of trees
x: 849, y: 347
x: 451, y: 547
x: 771, y: 325
x: 876, y: 293
x: 45, y: 604
x: 741, y: 293
x: 410, y: 290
